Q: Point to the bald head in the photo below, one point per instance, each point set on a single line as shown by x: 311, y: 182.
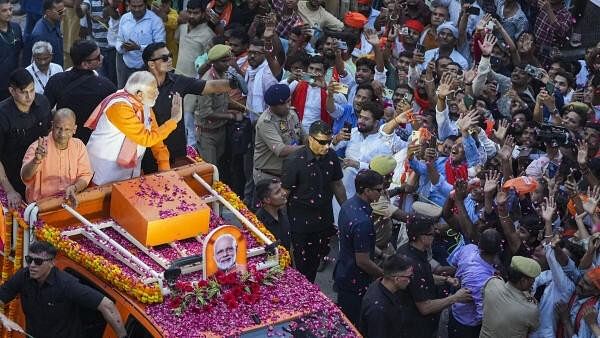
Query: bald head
x: 63, y: 127
x: 64, y: 114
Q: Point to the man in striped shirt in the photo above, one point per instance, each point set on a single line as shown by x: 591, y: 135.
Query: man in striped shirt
x: 95, y: 12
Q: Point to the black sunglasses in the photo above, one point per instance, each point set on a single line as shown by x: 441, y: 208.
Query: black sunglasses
x: 36, y: 260
x: 163, y: 58
x: 321, y: 142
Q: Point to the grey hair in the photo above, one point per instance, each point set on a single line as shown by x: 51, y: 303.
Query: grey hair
x: 140, y: 81
x: 227, y: 236
x: 41, y: 47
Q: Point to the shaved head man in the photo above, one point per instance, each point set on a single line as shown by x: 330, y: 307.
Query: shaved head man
x: 57, y: 163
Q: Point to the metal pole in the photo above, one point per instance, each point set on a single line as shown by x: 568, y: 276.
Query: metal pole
x: 237, y: 214
x: 112, y: 242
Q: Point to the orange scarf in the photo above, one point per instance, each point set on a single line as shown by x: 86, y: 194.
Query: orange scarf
x: 128, y: 153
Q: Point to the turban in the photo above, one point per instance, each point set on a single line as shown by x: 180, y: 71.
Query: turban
x: 383, y: 164
x: 526, y: 266
x: 218, y: 52
x: 415, y: 25
x: 355, y: 20
x: 277, y: 94
x: 594, y: 277
x: 449, y: 26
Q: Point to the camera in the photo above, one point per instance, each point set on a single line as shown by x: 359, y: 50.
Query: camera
x: 534, y: 72
x: 554, y: 135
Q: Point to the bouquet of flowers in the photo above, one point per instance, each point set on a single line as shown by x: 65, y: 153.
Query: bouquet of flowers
x: 232, y: 289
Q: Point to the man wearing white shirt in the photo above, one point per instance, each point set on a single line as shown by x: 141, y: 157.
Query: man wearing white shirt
x: 42, y: 68
x: 114, y: 18
x: 137, y: 29
x: 311, y: 99
x: 366, y: 141
x: 262, y: 73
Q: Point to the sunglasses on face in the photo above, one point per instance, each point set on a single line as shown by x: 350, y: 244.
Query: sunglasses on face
x: 163, y: 58
x: 36, y: 260
x: 321, y: 142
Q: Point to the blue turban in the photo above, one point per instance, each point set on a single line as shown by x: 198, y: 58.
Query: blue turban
x: 277, y: 94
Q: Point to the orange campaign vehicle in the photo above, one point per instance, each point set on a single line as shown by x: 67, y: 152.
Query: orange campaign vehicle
x: 180, y: 255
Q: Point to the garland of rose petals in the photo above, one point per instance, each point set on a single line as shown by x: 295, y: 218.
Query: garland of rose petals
x: 233, y: 199
x: 101, y: 267
x: 232, y: 288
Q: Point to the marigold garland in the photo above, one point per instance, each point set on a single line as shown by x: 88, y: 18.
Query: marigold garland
x: 6, y: 264
x: 231, y: 197
x: 6, y: 267
x: 18, y: 263
x: 101, y: 267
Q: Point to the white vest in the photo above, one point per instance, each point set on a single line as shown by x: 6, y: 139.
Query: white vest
x: 104, y: 147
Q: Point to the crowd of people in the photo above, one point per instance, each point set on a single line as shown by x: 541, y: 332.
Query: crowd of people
x: 451, y: 148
